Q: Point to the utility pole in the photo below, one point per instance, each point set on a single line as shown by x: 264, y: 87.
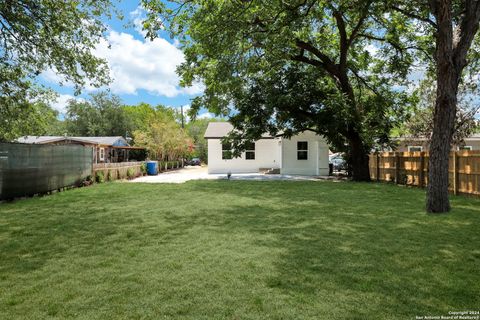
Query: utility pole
x: 181, y: 108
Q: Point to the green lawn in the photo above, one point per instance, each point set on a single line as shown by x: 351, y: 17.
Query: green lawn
x: 237, y: 250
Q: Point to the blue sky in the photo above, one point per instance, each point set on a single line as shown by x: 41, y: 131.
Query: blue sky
x: 143, y: 70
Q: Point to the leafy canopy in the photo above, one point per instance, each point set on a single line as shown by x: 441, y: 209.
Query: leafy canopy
x: 293, y: 65
x: 36, y: 35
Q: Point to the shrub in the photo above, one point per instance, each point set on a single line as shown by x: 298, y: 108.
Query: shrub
x: 99, y: 177
x: 109, y: 175
x: 130, y: 173
x: 143, y: 168
x: 88, y: 181
x: 119, y: 174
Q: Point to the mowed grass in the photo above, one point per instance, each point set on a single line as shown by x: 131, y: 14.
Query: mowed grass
x: 237, y: 250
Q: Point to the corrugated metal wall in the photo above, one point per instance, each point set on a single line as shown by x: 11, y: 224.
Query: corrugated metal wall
x: 27, y: 169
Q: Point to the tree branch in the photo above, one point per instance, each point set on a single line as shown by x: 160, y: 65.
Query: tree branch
x: 415, y: 16
x: 343, y: 38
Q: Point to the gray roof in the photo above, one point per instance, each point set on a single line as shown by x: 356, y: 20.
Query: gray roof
x: 217, y: 130
x: 109, y: 141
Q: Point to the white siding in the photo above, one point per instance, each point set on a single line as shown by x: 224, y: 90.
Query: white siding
x: 267, y: 155
x: 317, y: 162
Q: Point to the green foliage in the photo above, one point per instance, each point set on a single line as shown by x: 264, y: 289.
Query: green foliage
x: 43, y: 34
x: 99, y: 177
x: 163, y: 137
x: 285, y: 67
x: 196, y: 130
x: 143, y: 168
x: 36, y: 118
x: 237, y: 250
x: 121, y: 174
x: 130, y: 173
x: 420, y: 121
x: 101, y: 115
x: 110, y: 175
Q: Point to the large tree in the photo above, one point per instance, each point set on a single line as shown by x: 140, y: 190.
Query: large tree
x: 249, y: 52
x: 420, y: 124
x: 451, y: 25
x: 101, y: 115
x: 40, y: 35
x: 196, y: 130
x: 163, y: 137
x: 35, y: 118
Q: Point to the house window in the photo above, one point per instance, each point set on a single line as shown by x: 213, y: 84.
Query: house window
x: 467, y: 148
x: 102, y: 154
x: 250, y: 151
x: 302, y: 150
x: 226, y: 151
x: 415, y: 148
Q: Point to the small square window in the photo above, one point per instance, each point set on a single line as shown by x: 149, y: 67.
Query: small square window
x: 250, y: 151
x: 302, y: 150
x: 415, y: 148
x: 226, y: 151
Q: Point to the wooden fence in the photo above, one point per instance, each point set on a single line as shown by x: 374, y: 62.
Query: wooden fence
x: 120, y: 170
x: 411, y: 168
x: 115, y: 171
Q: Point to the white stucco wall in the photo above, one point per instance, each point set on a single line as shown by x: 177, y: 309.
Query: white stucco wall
x: 317, y: 162
x: 267, y: 155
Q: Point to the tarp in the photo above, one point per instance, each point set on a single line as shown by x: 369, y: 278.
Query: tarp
x: 28, y: 169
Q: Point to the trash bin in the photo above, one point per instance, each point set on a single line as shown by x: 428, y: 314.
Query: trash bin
x: 152, y: 168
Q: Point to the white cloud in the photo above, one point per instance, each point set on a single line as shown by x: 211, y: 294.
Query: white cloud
x: 61, y: 102
x: 372, y: 49
x: 138, y: 65
x: 206, y: 115
x: 138, y: 16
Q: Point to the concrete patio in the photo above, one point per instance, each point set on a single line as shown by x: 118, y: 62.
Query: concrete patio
x: 200, y: 173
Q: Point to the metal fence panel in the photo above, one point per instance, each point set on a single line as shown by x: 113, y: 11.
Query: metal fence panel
x: 28, y: 169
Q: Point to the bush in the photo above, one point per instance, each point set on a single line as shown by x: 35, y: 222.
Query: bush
x: 109, y: 175
x: 88, y: 181
x: 143, y: 168
x: 99, y: 177
x: 120, y: 174
x: 130, y: 173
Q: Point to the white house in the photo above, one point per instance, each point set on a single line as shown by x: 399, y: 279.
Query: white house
x: 304, y: 154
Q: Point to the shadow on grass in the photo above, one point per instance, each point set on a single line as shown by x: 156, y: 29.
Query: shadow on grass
x: 364, y: 248
x: 341, y: 250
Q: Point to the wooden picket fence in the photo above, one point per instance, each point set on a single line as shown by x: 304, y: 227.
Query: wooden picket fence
x: 118, y: 170
x: 411, y: 168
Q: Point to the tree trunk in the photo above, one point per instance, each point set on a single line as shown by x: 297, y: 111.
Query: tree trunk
x: 444, y: 118
x: 358, y: 158
x: 448, y: 74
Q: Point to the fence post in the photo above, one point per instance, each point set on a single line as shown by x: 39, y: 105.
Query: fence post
x: 378, y: 167
x: 455, y: 175
x: 397, y: 167
x: 421, y: 174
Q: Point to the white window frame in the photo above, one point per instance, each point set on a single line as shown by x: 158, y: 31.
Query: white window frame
x: 224, y: 151
x: 465, y: 148
x: 302, y: 150
x: 411, y: 147
x: 101, y: 154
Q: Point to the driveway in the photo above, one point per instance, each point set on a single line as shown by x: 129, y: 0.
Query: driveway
x: 201, y: 173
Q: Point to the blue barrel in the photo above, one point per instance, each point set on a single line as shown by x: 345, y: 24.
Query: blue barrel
x: 152, y: 168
